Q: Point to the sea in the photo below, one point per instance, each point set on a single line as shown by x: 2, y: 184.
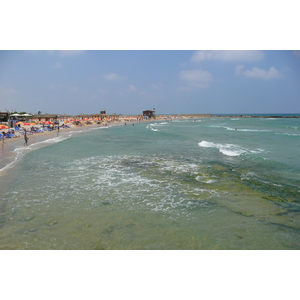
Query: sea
x: 205, y: 184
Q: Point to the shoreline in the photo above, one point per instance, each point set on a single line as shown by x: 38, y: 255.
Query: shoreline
x: 7, y: 148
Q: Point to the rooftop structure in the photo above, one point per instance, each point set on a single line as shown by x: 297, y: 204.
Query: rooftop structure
x: 149, y: 113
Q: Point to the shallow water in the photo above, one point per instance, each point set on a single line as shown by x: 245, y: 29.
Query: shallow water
x: 204, y: 184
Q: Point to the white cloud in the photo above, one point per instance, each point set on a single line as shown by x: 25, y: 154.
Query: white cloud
x: 132, y: 88
x: 7, y: 91
x: 112, y: 76
x: 228, y: 55
x: 257, y: 72
x: 239, y: 70
x: 196, y: 78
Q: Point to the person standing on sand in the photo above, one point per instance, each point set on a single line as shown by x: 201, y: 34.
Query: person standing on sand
x: 26, y: 138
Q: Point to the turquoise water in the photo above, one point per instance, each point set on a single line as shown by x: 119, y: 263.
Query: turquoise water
x: 219, y: 183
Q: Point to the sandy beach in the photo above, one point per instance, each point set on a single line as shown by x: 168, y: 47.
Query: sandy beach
x: 8, y: 147
x: 130, y: 187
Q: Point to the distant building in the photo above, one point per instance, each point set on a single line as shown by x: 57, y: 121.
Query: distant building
x: 3, y: 117
x: 45, y: 117
x: 149, y: 113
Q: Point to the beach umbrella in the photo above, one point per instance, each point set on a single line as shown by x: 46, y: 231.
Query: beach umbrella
x: 3, y: 127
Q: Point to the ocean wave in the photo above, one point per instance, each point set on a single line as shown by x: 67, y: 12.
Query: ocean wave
x: 150, y: 126
x: 246, y: 129
x: 229, y: 149
x: 205, y: 180
x: 158, y: 124
x: 290, y: 134
x: 21, y: 150
x: 12, y: 163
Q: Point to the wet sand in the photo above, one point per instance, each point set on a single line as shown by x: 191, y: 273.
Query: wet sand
x: 7, y: 153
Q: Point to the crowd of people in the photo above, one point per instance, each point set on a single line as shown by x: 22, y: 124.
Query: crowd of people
x: 22, y: 131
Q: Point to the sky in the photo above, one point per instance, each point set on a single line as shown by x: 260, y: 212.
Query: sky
x: 130, y: 81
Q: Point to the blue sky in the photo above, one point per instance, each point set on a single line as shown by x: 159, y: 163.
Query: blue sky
x: 171, y: 81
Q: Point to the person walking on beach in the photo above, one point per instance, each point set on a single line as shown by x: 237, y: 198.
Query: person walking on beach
x: 26, y: 139
x: 3, y: 136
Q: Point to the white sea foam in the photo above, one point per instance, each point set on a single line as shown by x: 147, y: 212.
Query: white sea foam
x: 75, y: 131
x: 98, y: 128
x: 290, y: 134
x: 205, y: 180
x: 246, y: 129
x: 254, y: 130
x: 20, y: 151
x: 150, y: 126
x: 158, y: 124
x: 229, y: 149
x: 12, y: 163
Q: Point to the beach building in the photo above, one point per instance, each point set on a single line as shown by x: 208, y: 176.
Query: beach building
x: 64, y: 118
x: 149, y: 114
x: 3, y: 117
x: 12, y: 118
x: 45, y: 117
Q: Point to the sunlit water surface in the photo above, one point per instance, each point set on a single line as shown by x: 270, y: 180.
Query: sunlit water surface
x: 206, y: 184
